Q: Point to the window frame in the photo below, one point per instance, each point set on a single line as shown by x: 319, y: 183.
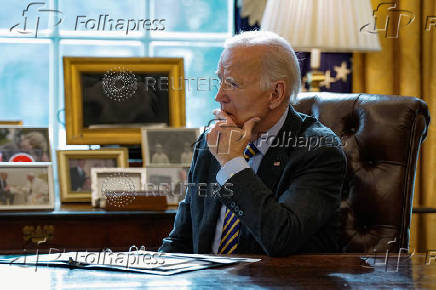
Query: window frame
x: 147, y: 38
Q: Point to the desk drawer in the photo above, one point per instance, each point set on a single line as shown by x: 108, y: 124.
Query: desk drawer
x: 89, y: 233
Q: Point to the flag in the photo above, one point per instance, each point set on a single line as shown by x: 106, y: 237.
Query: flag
x: 335, y: 66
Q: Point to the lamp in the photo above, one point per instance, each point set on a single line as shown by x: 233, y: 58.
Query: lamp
x: 321, y: 25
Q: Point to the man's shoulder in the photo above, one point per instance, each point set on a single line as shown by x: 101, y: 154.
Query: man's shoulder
x: 311, y: 126
x: 315, y: 138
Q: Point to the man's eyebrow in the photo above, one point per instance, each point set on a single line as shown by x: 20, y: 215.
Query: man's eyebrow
x: 232, y: 80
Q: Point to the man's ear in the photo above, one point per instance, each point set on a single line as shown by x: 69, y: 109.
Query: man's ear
x: 277, y: 94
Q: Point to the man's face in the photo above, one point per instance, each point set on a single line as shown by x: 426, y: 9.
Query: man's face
x: 3, y: 175
x: 81, y: 163
x: 158, y: 148
x: 240, y: 94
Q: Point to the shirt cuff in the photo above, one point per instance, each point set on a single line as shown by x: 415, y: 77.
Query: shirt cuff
x: 230, y: 168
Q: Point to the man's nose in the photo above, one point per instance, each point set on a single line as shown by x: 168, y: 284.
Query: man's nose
x: 221, y: 96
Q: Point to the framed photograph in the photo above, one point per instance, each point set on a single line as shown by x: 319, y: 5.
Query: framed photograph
x: 108, y: 100
x: 111, y: 180
x: 168, y: 180
x: 168, y: 146
x: 74, y: 167
x: 26, y: 186
x: 24, y: 144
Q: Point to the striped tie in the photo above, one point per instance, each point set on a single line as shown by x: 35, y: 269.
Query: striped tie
x: 230, y: 235
x: 250, y: 151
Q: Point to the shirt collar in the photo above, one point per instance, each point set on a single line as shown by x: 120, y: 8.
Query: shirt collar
x: 273, y: 131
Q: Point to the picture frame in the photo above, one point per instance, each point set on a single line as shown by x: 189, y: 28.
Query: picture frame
x: 74, y: 169
x: 105, y: 97
x: 168, y: 146
x: 26, y: 186
x: 11, y: 123
x: 115, y: 180
x: 24, y: 144
x: 170, y: 180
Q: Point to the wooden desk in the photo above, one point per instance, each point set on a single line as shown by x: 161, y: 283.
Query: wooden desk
x: 83, y: 227
x: 300, y: 271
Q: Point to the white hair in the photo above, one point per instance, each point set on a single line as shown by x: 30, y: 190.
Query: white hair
x: 280, y: 63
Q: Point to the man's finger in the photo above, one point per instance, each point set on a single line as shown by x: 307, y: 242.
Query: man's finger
x: 212, y: 138
x: 225, y: 125
x: 248, y: 127
x: 220, y: 114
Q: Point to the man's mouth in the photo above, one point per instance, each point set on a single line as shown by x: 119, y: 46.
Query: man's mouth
x: 227, y: 112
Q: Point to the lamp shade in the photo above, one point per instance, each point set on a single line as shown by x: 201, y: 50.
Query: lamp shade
x: 328, y: 25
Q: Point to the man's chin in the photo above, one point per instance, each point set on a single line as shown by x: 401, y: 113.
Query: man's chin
x: 236, y: 122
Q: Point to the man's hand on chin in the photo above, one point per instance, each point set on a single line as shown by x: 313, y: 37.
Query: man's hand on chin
x: 226, y: 140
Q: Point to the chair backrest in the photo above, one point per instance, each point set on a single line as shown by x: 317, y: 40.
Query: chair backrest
x: 381, y: 136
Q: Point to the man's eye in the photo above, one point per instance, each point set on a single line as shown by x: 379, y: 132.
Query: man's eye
x: 231, y: 84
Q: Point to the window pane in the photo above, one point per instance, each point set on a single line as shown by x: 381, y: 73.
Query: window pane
x: 103, y: 48
x: 192, y: 15
x: 28, y: 19
x: 122, y: 18
x: 201, y: 82
x: 24, y: 82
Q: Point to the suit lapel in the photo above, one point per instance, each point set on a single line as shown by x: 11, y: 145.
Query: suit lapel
x: 276, y: 157
x: 211, y: 211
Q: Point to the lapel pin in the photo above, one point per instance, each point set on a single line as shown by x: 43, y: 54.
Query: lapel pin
x: 277, y: 163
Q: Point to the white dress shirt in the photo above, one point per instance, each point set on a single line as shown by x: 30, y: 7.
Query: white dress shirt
x: 238, y: 164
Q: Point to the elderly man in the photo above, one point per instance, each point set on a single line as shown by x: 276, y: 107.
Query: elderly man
x: 37, y: 190
x: 274, y: 175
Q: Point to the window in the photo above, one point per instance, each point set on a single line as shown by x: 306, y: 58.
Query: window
x: 34, y: 36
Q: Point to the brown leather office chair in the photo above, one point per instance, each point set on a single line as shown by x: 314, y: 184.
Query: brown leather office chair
x: 381, y: 136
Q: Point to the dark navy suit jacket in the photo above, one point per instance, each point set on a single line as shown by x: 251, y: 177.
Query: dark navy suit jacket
x: 291, y: 205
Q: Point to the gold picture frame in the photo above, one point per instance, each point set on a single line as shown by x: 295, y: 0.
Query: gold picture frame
x: 70, y: 191
x: 11, y: 123
x: 78, y: 68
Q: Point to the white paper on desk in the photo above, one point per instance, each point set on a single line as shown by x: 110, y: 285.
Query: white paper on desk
x: 137, y: 261
x: 217, y: 259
